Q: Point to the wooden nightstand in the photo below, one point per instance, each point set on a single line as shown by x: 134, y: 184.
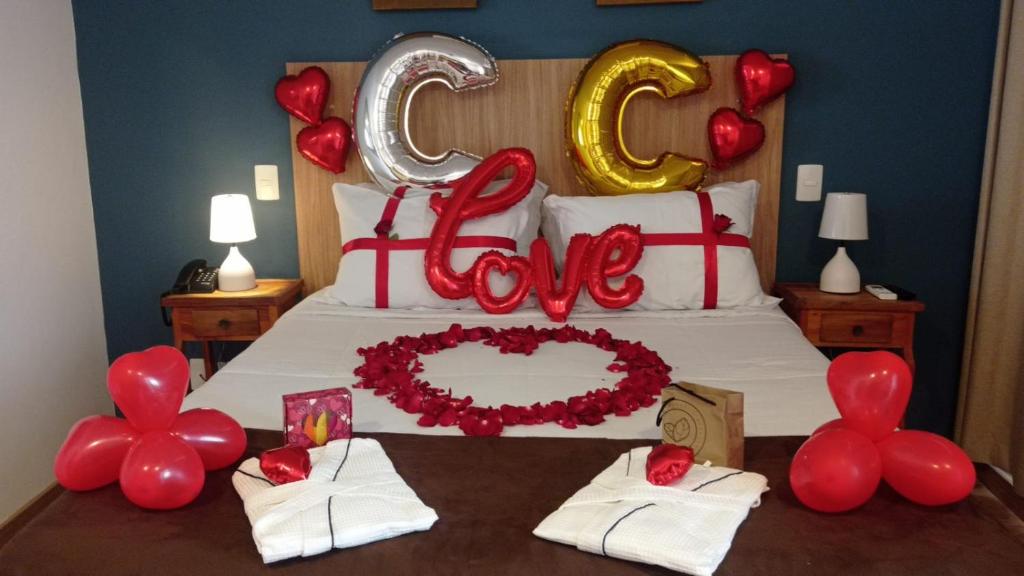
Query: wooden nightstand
x: 229, y: 316
x: 851, y: 320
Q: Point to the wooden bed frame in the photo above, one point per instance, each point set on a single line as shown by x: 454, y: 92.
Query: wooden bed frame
x: 526, y: 108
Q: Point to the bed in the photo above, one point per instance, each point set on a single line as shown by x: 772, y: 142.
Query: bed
x: 755, y: 350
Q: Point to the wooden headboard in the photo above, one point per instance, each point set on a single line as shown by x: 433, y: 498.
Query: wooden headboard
x: 526, y: 108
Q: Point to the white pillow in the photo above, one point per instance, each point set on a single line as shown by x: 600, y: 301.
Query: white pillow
x: 673, y: 275
x: 360, y: 208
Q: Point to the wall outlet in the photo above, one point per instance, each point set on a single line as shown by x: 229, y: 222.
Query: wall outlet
x: 808, y: 182
x: 195, y: 372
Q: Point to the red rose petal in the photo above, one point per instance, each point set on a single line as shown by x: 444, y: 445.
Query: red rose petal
x: 389, y: 368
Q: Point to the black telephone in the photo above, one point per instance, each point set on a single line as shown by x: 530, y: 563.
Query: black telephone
x: 195, y: 277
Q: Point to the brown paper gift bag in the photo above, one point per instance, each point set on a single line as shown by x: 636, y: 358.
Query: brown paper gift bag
x: 709, y: 420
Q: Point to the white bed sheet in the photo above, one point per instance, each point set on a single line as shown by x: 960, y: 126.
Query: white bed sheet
x: 758, y: 351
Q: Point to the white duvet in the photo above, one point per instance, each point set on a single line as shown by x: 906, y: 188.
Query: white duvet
x: 757, y: 351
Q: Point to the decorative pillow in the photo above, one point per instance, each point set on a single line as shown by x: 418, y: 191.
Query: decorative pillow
x: 693, y: 257
x: 384, y: 240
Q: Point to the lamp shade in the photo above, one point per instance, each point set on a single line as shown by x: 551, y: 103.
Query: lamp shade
x: 845, y: 217
x: 231, y: 219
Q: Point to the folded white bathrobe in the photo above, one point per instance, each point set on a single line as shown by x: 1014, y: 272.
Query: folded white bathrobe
x: 353, y: 496
x: 687, y: 526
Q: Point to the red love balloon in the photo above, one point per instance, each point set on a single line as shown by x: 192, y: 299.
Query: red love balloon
x: 91, y: 455
x: 326, y: 145
x: 557, y: 301
x: 149, y: 386
x: 161, y: 472
x: 835, y: 471
x: 732, y: 137
x: 761, y: 78
x: 304, y: 95
x: 614, y: 253
x: 871, y: 391
x: 926, y: 468
x: 465, y: 203
x: 466, y: 200
x: 494, y: 260
x: 286, y: 464
x: 216, y: 437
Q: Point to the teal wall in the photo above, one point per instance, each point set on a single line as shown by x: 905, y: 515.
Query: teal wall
x: 891, y: 97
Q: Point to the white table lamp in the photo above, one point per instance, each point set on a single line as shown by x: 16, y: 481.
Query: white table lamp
x: 231, y: 223
x: 845, y: 218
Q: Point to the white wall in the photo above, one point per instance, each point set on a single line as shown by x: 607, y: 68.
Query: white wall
x: 52, y: 342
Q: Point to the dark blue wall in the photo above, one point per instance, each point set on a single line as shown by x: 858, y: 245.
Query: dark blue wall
x: 891, y: 97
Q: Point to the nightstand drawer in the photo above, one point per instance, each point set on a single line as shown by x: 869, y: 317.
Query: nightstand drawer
x: 840, y: 327
x: 228, y: 322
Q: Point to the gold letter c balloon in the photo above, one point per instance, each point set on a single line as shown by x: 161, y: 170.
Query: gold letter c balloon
x: 595, y: 109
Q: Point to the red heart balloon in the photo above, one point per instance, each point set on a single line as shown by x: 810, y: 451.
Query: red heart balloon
x: 214, y: 435
x: 149, y: 386
x: 91, y: 455
x: 761, y: 78
x: 732, y: 136
x: 326, y: 145
x: 305, y: 95
x: 926, y: 468
x: 835, y: 471
x: 284, y: 465
x: 871, y: 390
x: 161, y: 472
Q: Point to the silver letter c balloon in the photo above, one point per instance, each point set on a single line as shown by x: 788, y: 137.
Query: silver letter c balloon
x: 392, y: 77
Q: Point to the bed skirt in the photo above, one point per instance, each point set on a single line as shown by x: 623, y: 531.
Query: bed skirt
x: 490, y: 493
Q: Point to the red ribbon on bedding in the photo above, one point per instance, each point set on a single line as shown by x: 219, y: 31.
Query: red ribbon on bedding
x: 383, y: 245
x: 711, y: 236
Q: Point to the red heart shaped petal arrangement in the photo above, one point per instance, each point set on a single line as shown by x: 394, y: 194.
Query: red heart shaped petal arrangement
x: 390, y: 369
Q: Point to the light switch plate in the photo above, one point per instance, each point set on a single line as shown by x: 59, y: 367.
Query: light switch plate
x: 808, y: 182
x: 266, y: 182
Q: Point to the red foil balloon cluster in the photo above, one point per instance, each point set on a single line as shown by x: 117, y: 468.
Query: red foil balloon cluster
x: 840, y: 466
x: 325, y: 142
x: 160, y: 457
x: 615, y: 252
x: 760, y: 79
x: 391, y: 369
